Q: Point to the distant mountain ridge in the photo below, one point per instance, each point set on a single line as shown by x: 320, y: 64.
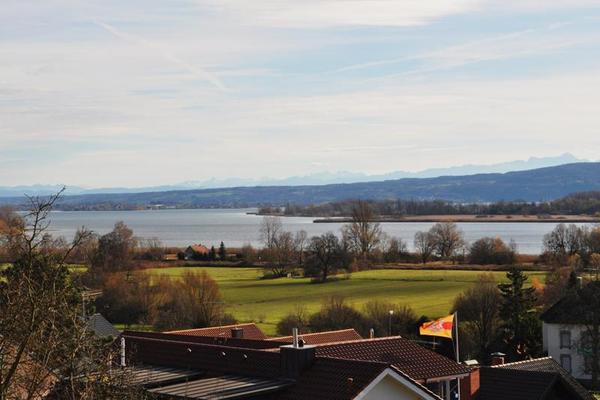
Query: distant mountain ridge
x: 322, y: 178
x: 540, y: 184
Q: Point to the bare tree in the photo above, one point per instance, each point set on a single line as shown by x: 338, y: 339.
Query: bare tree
x: 424, y: 245
x: 45, y: 344
x: 114, y: 252
x: 300, y: 243
x: 326, y: 256
x: 448, y: 239
x: 363, y: 233
x: 270, y: 228
x: 480, y: 306
x: 192, y: 302
x: 564, y: 241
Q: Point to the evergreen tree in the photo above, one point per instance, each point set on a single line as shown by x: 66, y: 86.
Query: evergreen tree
x: 212, y: 254
x: 222, y: 251
x: 522, y: 329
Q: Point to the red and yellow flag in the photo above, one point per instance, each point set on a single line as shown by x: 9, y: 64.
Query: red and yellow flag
x: 440, y: 327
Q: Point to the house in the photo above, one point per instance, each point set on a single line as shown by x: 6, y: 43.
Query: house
x: 196, y: 252
x: 382, y: 368
x: 541, y: 378
x: 172, y: 366
x: 564, y: 337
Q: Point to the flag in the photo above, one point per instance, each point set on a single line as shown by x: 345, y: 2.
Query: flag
x: 440, y: 327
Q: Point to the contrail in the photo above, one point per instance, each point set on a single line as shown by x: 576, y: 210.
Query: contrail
x: 199, y: 72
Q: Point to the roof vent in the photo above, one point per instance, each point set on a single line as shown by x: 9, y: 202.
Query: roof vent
x: 498, y: 358
x: 237, y: 333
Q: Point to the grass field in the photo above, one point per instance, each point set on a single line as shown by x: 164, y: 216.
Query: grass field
x: 249, y: 298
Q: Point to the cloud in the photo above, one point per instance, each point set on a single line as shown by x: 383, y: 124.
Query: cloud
x: 196, y: 71
x: 510, y: 45
x: 310, y: 14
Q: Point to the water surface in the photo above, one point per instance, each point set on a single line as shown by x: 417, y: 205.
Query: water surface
x: 236, y: 228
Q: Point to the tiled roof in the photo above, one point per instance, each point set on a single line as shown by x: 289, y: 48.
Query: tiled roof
x: 333, y: 379
x: 506, y: 383
x: 251, y: 331
x: 198, y: 248
x: 222, y: 387
x: 565, y: 311
x: 173, y: 353
x: 414, y: 360
x: 101, y: 327
x: 323, y: 337
x: 327, y: 378
x: 547, y: 364
x: 213, y: 340
x: 150, y: 376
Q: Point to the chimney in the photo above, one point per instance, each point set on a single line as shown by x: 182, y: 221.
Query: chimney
x: 296, y: 358
x: 237, y: 333
x: 469, y: 386
x: 498, y: 358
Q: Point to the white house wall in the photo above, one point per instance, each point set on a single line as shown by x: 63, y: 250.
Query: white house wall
x: 551, y: 335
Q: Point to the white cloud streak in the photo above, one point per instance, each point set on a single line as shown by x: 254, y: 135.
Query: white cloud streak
x: 194, y: 70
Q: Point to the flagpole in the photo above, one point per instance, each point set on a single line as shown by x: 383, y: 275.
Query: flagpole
x: 456, y: 337
x: 457, y: 350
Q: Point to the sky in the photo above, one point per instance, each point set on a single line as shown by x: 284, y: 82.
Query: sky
x: 105, y: 93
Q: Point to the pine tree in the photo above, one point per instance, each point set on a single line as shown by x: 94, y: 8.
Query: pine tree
x: 222, y: 252
x: 212, y: 254
x: 521, y: 327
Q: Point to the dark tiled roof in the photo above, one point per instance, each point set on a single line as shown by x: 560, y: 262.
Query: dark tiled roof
x: 101, y: 327
x: 414, y: 360
x: 565, y: 311
x: 547, y: 364
x: 519, y: 384
x: 333, y: 379
x: 222, y: 387
x: 150, y: 376
x: 219, y: 340
x: 203, y: 357
x: 251, y: 331
x: 324, y: 337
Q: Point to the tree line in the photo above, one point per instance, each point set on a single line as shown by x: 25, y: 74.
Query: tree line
x: 584, y: 203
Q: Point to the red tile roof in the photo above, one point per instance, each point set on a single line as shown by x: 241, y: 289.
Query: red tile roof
x: 251, y: 331
x: 324, y: 337
x: 415, y: 361
x: 214, y: 340
x: 198, y: 248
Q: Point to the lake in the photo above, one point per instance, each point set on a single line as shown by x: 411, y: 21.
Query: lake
x: 236, y: 228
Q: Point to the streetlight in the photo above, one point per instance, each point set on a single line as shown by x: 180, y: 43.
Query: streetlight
x: 390, y: 323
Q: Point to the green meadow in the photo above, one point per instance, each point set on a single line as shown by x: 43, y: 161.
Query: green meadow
x: 266, y: 301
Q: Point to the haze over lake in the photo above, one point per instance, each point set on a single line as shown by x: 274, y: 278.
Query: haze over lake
x: 236, y: 228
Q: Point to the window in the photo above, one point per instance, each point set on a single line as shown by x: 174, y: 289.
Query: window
x: 565, y: 362
x: 565, y: 339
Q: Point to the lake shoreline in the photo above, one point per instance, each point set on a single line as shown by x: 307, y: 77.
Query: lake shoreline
x: 453, y: 218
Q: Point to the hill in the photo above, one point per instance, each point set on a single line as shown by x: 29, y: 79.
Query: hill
x: 542, y: 184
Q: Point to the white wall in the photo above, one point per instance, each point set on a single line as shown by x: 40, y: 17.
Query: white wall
x: 390, y: 389
x: 551, y: 333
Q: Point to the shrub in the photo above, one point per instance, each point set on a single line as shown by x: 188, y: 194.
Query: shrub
x: 491, y: 251
x: 336, y: 314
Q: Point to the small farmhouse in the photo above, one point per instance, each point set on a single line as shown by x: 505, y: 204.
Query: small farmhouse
x: 196, y: 252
